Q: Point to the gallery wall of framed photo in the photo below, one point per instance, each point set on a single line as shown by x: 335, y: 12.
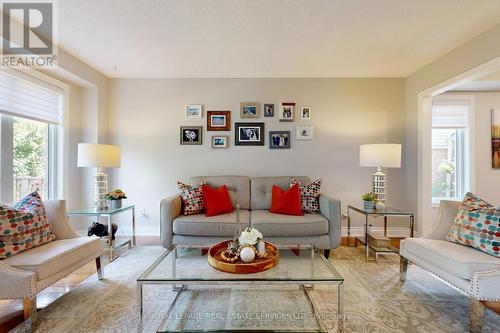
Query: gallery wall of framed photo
x: 250, y: 128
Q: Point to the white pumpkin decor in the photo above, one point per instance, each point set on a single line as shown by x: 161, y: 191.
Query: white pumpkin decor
x: 247, y: 254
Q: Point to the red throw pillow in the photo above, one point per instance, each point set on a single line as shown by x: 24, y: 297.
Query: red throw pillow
x: 217, y: 201
x: 286, y: 201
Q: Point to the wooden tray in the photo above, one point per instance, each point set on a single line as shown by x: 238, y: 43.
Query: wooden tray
x: 240, y: 267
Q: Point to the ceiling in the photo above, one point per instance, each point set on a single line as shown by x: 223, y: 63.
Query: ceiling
x: 490, y: 82
x: 265, y: 38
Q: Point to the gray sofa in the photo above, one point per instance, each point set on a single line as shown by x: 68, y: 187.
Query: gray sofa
x: 254, y: 197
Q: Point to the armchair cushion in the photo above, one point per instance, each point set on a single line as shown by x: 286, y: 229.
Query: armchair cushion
x: 461, y: 261
x: 48, y: 259
x: 279, y: 225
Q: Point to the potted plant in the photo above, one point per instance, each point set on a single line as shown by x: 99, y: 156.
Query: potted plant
x: 369, y: 200
x: 116, y: 197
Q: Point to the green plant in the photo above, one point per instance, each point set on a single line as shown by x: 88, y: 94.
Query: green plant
x: 369, y: 197
x: 116, y: 195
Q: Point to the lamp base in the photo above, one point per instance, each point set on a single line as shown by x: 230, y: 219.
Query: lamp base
x: 100, y: 190
x: 378, y: 180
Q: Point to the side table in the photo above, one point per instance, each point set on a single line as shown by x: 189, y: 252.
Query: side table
x: 108, y: 213
x: 388, y: 211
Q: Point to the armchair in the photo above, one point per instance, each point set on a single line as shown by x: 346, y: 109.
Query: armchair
x: 474, y: 273
x: 33, y: 270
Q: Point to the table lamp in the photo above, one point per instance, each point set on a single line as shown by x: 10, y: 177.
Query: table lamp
x: 383, y: 155
x: 99, y: 156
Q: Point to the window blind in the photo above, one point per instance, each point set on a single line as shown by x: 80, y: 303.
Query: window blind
x: 450, y: 115
x: 23, y: 98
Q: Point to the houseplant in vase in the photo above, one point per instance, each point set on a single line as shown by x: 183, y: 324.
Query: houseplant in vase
x: 116, y: 197
x: 369, y: 200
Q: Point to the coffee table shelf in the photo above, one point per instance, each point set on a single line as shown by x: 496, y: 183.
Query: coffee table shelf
x: 303, y: 267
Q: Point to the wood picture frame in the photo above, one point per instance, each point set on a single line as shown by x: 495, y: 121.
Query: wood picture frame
x: 220, y: 141
x: 194, y: 111
x: 287, y: 112
x: 218, y: 120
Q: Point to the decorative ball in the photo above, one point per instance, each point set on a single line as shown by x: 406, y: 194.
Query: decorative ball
x: 247, y: 254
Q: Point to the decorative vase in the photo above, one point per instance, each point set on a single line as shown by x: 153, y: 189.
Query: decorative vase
x: 380, y: 205
x: 368, y: 205
x: 261, y: 247
x: 116, y: 203
x: 247, y: 254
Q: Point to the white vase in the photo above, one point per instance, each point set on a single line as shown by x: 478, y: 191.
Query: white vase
x: 261, y: 247
x: 247, y: 254
x: 380, y: 205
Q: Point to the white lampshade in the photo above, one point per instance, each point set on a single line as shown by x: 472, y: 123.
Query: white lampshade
x: 385, y: 155
x: 98, y: 155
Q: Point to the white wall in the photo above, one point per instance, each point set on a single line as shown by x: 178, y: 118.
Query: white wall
x: 145, y: 115
x: 477, y: 51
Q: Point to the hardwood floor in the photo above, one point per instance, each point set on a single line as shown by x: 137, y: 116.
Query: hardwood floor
x: 11, y: 311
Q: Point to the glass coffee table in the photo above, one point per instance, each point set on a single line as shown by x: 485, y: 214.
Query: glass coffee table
x: 251, y: 295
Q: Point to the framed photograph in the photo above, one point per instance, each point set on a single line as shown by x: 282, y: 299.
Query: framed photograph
x: 220, y: 141
x: 279, y: 139
x: 193, y: 111
x: 249, y: 110
x: 268, y: 110
x: 305, y: 132
x: 218, y: 120
x: 305, y: 113
x: 191, y: 135
x: 287, y: 112
x: 495, y: 139
x: 249, y: 134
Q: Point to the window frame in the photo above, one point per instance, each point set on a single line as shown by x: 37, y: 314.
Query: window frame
x: 468, y: 169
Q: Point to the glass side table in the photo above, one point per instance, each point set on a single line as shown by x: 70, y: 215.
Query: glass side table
x: 364, y: 240
x: 108, y: 213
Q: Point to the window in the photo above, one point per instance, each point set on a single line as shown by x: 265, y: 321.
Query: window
x: 29, y: 123
x: 450, y: 149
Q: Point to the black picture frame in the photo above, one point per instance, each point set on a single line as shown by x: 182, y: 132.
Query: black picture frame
x: 279, y: 139
x: 253, y: 137
x: 196, y: 130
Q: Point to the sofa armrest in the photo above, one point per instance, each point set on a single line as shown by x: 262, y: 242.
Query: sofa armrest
x: 56, y: 213
x: 332, y: 210
x: 484, y: 285
x: 447, y: 212
x: 21, y: 283
x: 170, y: 208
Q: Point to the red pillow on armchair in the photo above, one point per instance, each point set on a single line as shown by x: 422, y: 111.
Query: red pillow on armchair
x: 217, y: 201
x: 286, y: 201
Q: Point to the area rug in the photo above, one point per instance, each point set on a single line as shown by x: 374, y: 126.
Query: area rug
x: 375, y: 301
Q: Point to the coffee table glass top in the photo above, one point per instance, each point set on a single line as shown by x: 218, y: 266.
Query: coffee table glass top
x: 190, y: 267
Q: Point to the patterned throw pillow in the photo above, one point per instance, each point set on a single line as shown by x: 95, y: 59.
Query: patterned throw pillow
x: 192, y: 199
x: 23, y: 226
x: 477, y: 224
x: 309, y: 195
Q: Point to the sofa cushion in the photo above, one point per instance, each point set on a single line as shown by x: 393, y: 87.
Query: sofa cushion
x: 51, y: 258
x: 201, y: 225
x: 309, y: 195
x: 192, y: 199
x: 286, y: 201
x: 217, y: 200
x: 459, y: 260
x: 278, y: 225
x: 238, y: 187
x: 262, y: 187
